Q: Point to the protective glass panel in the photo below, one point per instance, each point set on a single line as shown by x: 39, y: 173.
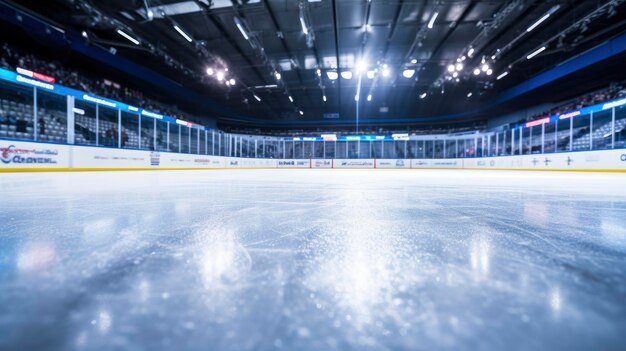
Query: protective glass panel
x: 16, y: 111
x: 107, y: 127
x: 130, y: 129
x: 162, y: 134
x: 581, y: 139
x: 620, y: 127
x: 147, y: 133
x: 84, y: 123
x: 52, y: 117
x: 602, y: 130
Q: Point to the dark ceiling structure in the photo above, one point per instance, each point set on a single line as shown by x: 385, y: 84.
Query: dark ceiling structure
x: 317, y: 60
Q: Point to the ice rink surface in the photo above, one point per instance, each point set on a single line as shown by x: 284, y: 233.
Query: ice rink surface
x: 313, y: 260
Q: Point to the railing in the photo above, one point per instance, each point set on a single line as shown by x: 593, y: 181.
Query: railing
x: 38, y: 111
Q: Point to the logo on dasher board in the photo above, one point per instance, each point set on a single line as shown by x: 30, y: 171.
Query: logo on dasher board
x: 12, y: 154
x: 623, y: 157
x: 155, y: 158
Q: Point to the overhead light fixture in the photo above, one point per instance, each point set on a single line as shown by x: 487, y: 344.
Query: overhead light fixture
x: 432, y: 20
x: 361, y: 66
x: 239, y: 24
x: 422, y: 95
x: 277, y: 75
x: 414, y: 61
x: 209, y: 71
x: 220, y: 76
x: 301, y: 113
x: 356, y: 97
x: 451, y: 68
x: 371, y: 74
x: 319, y: 72
x: 324, y: 98
x: 485, y: 67
x: 537, y: 52
x: 227, y: 82
x: 504, y: 74
x: 489, y: 72
x: 470, y: 52
x: 408, y: 73
x: 469, y: 95
x: 476, y: 71
x: 332, y: 75
x: 257, y: 97
x: 455, y: 74
x: 554, y: 9
x: 386, y: 72
x: 232, y: 81
x: 346, y: 74
x: 127, y: 36
x: 459, y: 67
x: 369, y: 97
x: 305, y: 30
x: 183, y: 34
x: 84, y: 34
x: 290, y: 98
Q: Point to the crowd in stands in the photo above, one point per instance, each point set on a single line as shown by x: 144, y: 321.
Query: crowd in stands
x: 11, y: 58
x: 366, y: 130
x: 612, y: 92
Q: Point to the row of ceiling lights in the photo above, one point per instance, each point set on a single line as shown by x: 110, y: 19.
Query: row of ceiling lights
x: 454, y: 70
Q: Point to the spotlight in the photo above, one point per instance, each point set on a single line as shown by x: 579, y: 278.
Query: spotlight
x: 277, y: 75
x: 476, y: 71
x: 232, y: 81
x: 371, y: 74
x: 459, y: 67
x: 369, y: 97
x: 220, y: 76
x: 451, y: 68
x: 301, y: 113
x: 469, y: 95
x: 209, y: 71
x: 485, y: 67
x: 332, y: 75
x: 408, y: 73
x: 361, y: 66
x: 324, y: 98
x: 346, y: 74
x: 489, y: 72
x: 422, y: 95
x: 290, y: 98
x: 470, y: 52
x: 257, y: 97
x: 455, y: 74
x: 386, y: 72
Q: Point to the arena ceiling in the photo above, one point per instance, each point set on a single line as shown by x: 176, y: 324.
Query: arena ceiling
x: 292, y: 59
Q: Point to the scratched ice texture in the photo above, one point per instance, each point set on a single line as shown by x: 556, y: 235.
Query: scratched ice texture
x: 313, y: 260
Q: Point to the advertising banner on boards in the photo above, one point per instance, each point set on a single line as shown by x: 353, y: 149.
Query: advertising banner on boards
x: 19, y: 154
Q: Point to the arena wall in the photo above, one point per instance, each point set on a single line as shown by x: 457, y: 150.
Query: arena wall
x: 36, y: 156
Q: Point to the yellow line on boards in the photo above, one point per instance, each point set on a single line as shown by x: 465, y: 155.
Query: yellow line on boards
x: 21, y: 170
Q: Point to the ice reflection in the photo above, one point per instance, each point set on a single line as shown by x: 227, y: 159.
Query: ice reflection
x: 221, y: 259
x: 480, y: 258
x: 36, y: 256
x: 556, y: 300
x: 361, y: 271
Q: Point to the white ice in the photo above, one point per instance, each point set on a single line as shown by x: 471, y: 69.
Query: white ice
x: 313, y: 260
